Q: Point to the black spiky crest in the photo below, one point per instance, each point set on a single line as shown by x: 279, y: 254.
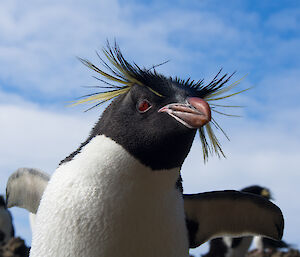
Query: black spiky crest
x: 125, y: 75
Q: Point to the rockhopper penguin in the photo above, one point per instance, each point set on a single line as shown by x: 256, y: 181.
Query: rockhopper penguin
x: 119, y: 193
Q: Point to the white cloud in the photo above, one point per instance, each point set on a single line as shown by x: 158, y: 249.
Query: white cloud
x: 33, y: 136
x: 40, y: 40
x: 36, y: 137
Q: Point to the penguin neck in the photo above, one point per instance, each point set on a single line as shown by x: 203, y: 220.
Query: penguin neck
x: 104, y: 159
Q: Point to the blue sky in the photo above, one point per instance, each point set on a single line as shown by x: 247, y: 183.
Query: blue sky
x: 39, y: 72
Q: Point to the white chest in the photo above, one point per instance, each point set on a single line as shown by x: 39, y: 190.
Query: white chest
x: 97, y: 206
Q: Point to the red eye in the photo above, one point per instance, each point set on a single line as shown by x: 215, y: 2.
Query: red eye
x: 143, y: 106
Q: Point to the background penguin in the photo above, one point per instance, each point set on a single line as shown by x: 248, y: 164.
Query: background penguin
x: 117, y: 194
x: 263, y: 243
x: 25, y: 188
x: 6, y: 226
x: 238, y: 246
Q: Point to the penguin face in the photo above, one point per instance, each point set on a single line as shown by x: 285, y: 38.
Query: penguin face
x: 157, y: 130
x: 185, y: 109
x: 258, y: 190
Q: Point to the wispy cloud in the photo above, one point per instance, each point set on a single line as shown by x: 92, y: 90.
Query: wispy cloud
x: 35, y: 136
x: 39, y: 42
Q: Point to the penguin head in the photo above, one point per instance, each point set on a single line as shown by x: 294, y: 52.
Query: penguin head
x: 153, y: 117
x: 158, y: 129
x: 258, y: 190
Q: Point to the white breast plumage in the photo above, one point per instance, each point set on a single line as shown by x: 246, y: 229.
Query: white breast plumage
x: 107, y: 208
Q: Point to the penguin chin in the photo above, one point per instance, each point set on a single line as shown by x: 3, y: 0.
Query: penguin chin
x: 193, y: 114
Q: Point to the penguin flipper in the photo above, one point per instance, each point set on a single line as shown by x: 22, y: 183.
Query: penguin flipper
x: 270, y: 243
x: 230, y: 213
x: 25, y: 188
